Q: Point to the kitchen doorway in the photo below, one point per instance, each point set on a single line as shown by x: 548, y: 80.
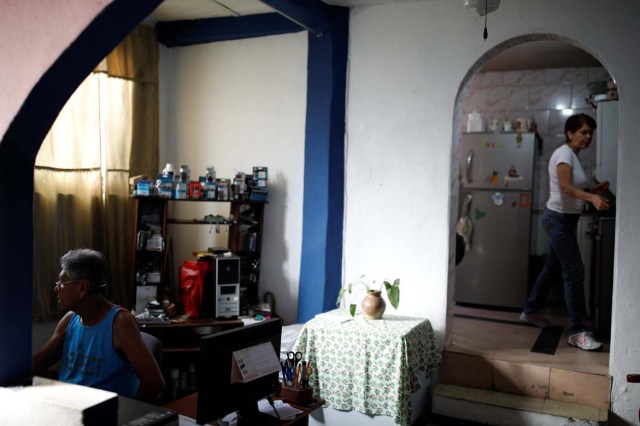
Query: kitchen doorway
x: 539, y: 83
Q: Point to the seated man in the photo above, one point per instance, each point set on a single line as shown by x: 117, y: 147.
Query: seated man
x: 99, y: 342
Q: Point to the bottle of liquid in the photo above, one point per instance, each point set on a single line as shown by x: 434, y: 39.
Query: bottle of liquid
x: 210, y: 174
x: 174, y: 375
x: 183, y: 381
x: 185, y: 173
x: 168, y: 171
x: 191, y: 376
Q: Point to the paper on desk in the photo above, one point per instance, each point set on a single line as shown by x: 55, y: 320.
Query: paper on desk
x: 285, y: 411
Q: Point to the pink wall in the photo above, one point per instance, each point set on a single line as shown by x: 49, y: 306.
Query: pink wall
x: 33, y: 34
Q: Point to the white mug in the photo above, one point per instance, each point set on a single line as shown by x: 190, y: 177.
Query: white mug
x: 507, y: 126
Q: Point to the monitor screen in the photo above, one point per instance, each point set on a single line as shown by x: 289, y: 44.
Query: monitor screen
x: 217, y: 395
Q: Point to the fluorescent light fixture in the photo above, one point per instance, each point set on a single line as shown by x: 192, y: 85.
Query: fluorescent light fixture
x: 567, y: 111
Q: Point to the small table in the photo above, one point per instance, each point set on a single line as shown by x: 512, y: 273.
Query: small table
x: 188, y: 406
x: 370, y: 366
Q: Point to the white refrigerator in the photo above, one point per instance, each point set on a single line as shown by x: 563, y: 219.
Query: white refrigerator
x: 496, y: 181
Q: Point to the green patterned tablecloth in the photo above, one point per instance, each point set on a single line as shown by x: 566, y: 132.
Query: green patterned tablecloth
x: 369, y: 366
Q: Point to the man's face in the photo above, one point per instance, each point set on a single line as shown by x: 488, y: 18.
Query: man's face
x: 68, y: 291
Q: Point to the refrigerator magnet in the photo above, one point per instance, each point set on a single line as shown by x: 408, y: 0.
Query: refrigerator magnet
x: 493, y: 178
x: 498, y: 198
x: 512, y: 176
x: 519, y: 140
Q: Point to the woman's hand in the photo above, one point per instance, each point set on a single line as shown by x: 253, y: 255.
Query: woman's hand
x: 599, y: 202
x: 600, y: 187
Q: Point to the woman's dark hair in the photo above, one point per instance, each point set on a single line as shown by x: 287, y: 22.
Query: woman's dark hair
x: 84, y: 263
x: 576, y: 121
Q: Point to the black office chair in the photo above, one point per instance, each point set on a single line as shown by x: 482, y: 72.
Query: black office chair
x: 155, y: 346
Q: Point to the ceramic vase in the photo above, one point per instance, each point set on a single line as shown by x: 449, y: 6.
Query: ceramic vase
x: 373, y: 305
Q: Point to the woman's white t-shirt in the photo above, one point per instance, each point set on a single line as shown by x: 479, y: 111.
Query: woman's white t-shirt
x: 559, y: 202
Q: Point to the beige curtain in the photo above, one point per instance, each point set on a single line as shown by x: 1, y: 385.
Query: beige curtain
x: 107, y: 132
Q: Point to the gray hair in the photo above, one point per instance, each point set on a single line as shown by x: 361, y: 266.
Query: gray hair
x: 84, y: 263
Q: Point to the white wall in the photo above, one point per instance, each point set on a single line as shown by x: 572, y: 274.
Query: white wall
x: 408, y: 63
x: 235, y: 105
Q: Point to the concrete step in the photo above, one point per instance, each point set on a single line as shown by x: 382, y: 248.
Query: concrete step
x: 544, y: 382
x: 498, y: 408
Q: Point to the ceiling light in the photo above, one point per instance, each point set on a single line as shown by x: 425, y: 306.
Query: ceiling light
x: 482, y: 7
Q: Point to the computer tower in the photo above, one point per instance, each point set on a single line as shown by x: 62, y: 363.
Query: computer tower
x: 222, y: 287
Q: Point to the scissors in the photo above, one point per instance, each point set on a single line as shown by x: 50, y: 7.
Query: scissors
x: 293, y: 358
x: 305, y: 373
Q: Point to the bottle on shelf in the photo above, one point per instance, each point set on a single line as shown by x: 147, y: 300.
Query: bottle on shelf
x: 174, y: 375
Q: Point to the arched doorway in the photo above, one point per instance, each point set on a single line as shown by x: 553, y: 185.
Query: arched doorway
x: 476, y: 330
x: 18, y: 149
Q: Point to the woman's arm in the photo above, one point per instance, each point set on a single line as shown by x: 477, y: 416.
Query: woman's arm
x: 566, y: 186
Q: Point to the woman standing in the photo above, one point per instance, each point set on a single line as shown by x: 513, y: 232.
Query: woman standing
x: 560, y: 217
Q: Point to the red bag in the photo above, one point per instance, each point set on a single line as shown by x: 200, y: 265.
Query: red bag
x: 191, y: 284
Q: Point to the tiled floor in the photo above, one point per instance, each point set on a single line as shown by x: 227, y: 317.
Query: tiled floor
x: 499, y: 335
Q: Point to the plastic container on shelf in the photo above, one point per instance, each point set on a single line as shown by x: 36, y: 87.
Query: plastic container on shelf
x: 185, y: 173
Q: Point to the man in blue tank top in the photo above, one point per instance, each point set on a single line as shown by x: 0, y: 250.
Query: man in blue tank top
x: 98, y: 342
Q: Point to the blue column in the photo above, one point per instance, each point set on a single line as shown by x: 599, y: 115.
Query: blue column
x: 323, y: 207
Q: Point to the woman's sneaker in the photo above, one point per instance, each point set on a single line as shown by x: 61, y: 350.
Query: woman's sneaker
x: 535, y: 319
x: 584, y: 341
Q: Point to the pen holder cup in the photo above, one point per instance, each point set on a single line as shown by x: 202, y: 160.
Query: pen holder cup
x: 296, y: 395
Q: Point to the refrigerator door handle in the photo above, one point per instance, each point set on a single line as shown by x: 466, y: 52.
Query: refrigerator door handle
x: 470, y: 155
x: 467, y: 204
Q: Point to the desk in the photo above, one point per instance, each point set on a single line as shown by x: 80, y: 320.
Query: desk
x: 369, y: 366
x: 184, y: 335
x: 188, y: 406
x: 181, y: 347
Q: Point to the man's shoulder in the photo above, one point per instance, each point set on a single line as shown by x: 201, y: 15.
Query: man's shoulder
x: 124, y: 319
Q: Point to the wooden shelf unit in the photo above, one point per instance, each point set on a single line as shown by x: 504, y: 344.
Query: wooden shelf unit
x: 245, y: 222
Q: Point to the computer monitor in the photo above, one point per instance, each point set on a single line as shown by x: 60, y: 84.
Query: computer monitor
x: 217, y: 396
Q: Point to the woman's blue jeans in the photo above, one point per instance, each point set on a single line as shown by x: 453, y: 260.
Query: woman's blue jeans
x: 564, y: 256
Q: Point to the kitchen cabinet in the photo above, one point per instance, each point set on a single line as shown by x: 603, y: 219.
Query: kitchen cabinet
x: 596, y: 240
x: 607, y: 143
